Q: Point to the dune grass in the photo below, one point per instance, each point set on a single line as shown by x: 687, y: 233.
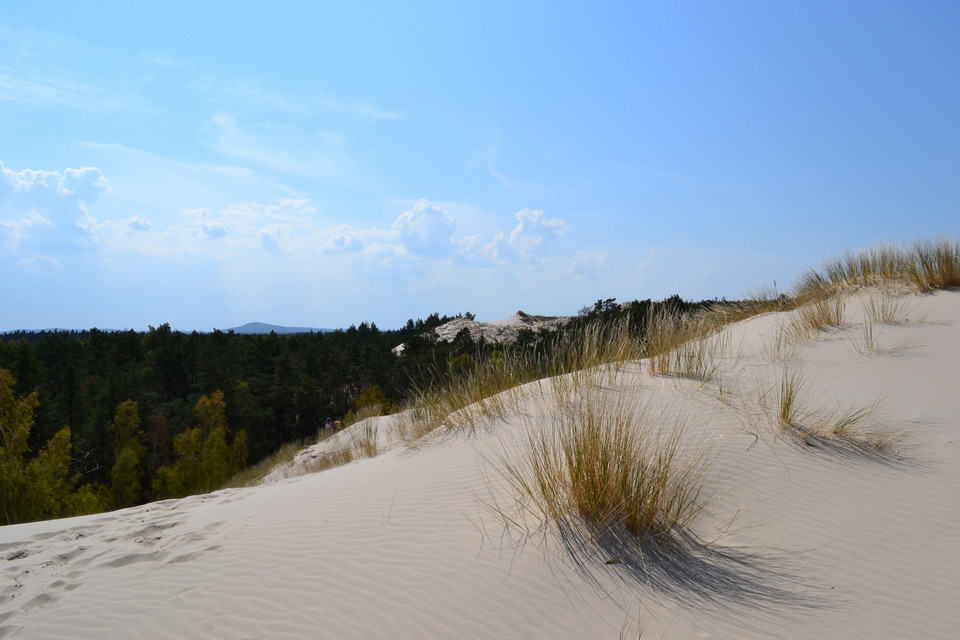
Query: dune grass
x: 486, y: 390
x: 790, y: 409
x: 815, y: 316
x: 689, y: 346
x: 364, y: 440
x: 881, y: 308
x: 926, y: 265
x: 253, y: 474
x: 604, y: 464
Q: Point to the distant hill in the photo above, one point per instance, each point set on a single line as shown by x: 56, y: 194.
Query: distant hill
x: 262, y: 327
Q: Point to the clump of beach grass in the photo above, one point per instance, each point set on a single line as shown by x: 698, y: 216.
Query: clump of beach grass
x: 936, y: 264
x: 335, y: 457
x: 883, y: 308
x: 603, y: 465
x: 364, y: 439
x: 815, y: 316
x: 790, y: 410
x: 868, y: 342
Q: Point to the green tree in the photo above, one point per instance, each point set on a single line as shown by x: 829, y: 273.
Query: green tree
x: 38, y: 488
x: 48, y: 480
x: 371, y: 396
x: 211, y: 413
x: 203, y: 463
x: 126, y: 487
x: 182, y: 477
x: 16, y: 421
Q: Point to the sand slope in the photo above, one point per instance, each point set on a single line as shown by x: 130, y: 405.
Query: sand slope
x: 796, y: 542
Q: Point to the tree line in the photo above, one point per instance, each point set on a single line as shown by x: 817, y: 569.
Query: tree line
x: 95, y: 420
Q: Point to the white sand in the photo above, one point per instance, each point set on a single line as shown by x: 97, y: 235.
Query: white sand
x: 796, y: 542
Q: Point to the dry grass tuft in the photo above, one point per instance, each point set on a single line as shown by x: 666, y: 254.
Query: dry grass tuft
x: 252, y: 475
x: 336, y: 457
x: 486, y: 391
x: 788, y: 407
x: 937, y: 264
x: 604, y: 465
x: 816, y: 316
x: 365, y: 441
x: 885, y: 309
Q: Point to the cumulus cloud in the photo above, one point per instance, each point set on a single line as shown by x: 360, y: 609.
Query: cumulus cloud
x: 347, y: 242
x: 528, y: 240
x: 426, y: 229
x: 45, y: 212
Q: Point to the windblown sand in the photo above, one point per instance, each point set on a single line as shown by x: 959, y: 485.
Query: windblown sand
x: 796, y: 540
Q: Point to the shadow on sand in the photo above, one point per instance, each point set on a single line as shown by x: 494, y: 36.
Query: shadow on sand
x: 710, y: 579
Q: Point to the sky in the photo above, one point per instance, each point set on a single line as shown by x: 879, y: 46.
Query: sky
x: 321, y: 164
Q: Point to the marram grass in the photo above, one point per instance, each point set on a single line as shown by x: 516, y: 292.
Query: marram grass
x: 604, y: 464
x: 926, y: 265
x: 789, y: 408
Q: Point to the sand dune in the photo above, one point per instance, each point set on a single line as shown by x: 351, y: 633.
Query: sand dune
x: 797, y: 540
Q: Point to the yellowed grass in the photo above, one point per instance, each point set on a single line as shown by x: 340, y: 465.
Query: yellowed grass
x: 790, y: 409
x: 364, y: 440
x: 603, y: 464
x: 926, y: 265
x: 253, y: 474
x: 690, y: 346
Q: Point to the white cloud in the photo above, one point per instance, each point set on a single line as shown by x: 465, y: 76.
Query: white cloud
x: 528, y: 240
x: 44, y: 212
x: 346, y: 242
x: 426, y: 229
x: 287, y: 149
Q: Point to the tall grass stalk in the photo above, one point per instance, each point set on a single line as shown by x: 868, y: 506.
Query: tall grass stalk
x: 364, y: 439
x: 790, y: 409
x: 884, y: 309
x: 486, y: 390
x: 252, y: 475
x: 603, y: 465
x: 815, y: 316
x: 690, y: 346
x: 926, y: 265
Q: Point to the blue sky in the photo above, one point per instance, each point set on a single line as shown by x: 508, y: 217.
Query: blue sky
x: 210, y: 164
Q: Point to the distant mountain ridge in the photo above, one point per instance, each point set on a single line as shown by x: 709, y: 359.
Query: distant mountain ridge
x: 255, y: 328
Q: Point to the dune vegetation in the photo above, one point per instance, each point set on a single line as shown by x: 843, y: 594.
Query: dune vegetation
x: 605, y: 464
